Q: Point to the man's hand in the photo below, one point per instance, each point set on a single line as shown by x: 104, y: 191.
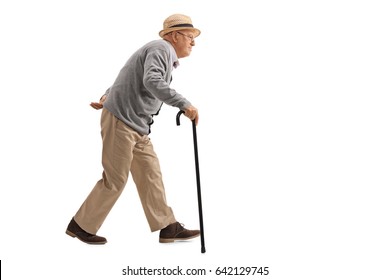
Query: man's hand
x: 98, y: 105
x: 192, y: 113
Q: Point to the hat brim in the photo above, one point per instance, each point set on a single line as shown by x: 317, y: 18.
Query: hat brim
x: 163, y: 32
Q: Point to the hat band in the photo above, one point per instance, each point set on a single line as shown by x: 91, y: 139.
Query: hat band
x: 182, y: 25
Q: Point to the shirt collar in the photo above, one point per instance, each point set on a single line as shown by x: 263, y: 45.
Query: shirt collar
x: 175, y: 59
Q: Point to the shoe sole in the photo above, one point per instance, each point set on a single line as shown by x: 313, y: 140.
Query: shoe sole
x: 71, y: 234
x: 170, y: 240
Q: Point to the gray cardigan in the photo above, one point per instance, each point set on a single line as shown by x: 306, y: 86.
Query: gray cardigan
x: 142, y: 86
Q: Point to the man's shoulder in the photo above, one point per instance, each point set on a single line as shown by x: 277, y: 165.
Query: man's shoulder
x: 160, y: 48
x: 158, y: 45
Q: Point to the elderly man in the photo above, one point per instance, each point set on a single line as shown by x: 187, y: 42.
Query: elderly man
x: 129, y: 105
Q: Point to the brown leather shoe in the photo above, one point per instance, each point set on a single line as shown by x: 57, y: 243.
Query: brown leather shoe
x: 74, y: 230
x: 176, y: 232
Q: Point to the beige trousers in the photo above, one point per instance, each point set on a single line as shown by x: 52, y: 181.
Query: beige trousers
x: 124, y: 151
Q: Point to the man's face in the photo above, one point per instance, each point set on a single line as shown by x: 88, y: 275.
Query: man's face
x: 184, y: 42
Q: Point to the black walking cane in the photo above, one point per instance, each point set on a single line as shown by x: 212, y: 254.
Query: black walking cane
x: 203, y: 248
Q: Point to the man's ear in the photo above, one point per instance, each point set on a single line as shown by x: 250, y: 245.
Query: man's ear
x: 174, y: 36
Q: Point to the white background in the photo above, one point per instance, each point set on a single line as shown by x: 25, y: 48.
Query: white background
x: 293, y: 137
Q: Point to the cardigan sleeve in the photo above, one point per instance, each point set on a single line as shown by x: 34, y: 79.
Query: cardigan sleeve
x: 156, y: 71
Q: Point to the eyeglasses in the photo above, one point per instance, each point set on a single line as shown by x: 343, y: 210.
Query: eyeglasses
x: 188, y: 36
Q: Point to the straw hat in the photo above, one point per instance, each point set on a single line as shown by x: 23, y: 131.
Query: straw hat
x: 178, y: 22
